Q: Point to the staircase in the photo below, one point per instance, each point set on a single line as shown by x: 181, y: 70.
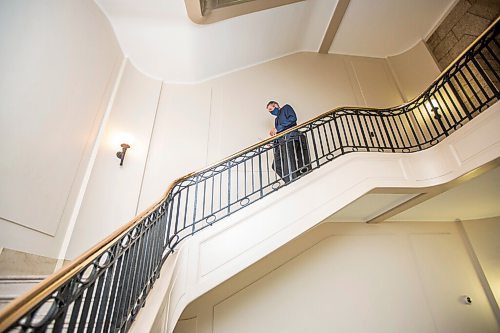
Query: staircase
x: 12, y: 287
x: 105, y: 288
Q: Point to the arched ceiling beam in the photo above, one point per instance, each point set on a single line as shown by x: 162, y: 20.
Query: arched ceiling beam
x: 331, y: 31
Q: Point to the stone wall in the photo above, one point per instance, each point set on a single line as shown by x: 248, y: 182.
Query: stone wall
x: 467, y: 20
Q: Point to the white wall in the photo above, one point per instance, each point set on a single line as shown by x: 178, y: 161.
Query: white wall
x: 484, y: 237
x: 113, y: 191
x: 179, y: 142
x: 414, y: 70
x: 352, y: 277
x: 59, y: 61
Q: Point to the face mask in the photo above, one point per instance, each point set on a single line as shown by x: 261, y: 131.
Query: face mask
x: 275, y: 111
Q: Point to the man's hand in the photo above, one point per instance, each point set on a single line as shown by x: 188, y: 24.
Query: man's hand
x: 272, y: 132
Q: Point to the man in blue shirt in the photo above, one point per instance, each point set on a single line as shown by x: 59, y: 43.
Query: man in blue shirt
x: 285, y: 117
x: 291, y: 154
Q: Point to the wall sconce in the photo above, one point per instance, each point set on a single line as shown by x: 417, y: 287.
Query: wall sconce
x: 435, y: 112
x: 121, y: 154
x: 433, y: 106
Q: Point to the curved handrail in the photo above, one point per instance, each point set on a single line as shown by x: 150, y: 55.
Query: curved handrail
x: 107, y: 285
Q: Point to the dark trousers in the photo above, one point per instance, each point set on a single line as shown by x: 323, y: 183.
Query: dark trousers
x: 291, y: 157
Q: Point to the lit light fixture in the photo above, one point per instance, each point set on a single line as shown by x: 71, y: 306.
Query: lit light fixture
x: 435, y: 111
x: 121, y: 154
x: 433, y: 106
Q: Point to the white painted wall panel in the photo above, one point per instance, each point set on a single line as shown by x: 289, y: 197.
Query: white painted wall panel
x: 112, y: 193
x: 376, y: 83
x: 179, y: 140
x: 414, y: 70
x: 59, y: 61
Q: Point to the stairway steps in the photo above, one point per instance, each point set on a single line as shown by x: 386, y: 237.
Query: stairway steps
x: 14, y: 286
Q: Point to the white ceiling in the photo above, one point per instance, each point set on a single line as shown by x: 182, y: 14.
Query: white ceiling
x: 476, y: 199
x: 161, y: 41
x: 383, y: 28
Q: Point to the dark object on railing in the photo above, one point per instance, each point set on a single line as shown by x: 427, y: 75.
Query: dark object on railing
x: 104, y: 289
x: 291, y: 156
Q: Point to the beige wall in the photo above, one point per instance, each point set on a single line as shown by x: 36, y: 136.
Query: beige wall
x: 59, y: 61
x: 351, y: 277
x: 414, y: 70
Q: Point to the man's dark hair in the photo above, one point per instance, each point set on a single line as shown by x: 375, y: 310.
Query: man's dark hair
x: 271, y: 102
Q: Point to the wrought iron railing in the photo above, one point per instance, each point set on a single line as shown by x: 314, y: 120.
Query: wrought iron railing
x: 103, y: 290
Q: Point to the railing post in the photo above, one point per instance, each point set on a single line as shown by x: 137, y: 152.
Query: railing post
x: 387, y: 133
x: 314, y: 146
x: 459, y: 99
